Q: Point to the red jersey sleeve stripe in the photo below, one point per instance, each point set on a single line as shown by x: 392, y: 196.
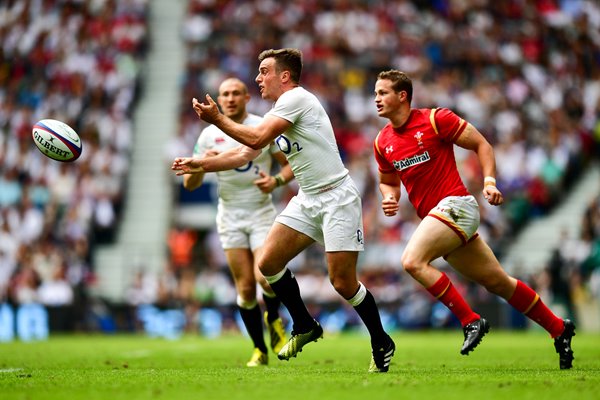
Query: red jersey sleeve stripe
x: 461, y: 127
x: 377, y: 143
x: 432, y: 120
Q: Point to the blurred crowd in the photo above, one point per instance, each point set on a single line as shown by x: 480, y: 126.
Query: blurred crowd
x: 79, y: 62
x: 525, y: 73
x: 572, y: 277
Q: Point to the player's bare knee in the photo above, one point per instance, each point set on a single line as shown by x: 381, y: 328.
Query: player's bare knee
x: 269, y: 266
x: 247, y: 292
x: 246, y: 304
x: 412, y: 265
x: 342, y: 286
x: 265, y: 269
x: 336, y: 283
x: 494, y: 285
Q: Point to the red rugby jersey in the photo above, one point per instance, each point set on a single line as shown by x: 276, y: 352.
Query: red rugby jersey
x: 421, y: 152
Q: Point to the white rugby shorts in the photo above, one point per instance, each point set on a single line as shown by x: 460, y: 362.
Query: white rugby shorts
x: 332, y: 218
x: 460, y: 213
x: 241, y: 228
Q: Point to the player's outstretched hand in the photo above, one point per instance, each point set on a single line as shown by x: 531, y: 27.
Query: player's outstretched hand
x: 493, y: 195
x: 390, y: 206
x: 208, y: 111
x: 186, y: 165
x: 266, y: 183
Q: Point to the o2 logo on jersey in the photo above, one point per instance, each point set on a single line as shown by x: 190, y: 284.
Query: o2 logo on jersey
x: 286, y: 146
x: 247, y: 167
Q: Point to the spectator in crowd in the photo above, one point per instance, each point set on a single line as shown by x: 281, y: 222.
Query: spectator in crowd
x: 181, y: 242
x: 57, y: 295
x: 31, y: 316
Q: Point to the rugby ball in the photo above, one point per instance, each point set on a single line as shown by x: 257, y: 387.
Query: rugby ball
x: 56, y: 140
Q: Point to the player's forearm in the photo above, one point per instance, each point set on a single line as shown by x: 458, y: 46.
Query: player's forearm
x: 388, y: 191
x: 193, y: 181
x: 217, y: 163
x: 286, y: 174
x: 485, y: 153
x: 473, y: 140
x: 248, y: 135
x: 230, y: 159
x: 389, y: 185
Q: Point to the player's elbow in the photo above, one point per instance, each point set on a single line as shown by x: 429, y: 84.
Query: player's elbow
x: 259, y: 139
x: 256, y: 143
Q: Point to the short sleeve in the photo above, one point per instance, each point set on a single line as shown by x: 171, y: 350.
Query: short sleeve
x: 448, y: 125
x: 289, y: 107
x: 382, y: 163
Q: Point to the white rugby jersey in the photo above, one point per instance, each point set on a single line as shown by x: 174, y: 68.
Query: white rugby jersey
x: 309, y: 144
x: 235, y: 185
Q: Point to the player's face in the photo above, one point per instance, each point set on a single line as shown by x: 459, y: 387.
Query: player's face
x: 268, y: 80
x: 233, y: 98
x: 387, y: 100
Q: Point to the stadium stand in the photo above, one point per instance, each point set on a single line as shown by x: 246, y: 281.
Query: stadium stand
x: 79, y: 62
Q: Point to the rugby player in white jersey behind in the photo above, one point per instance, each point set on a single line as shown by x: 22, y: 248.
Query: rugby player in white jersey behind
x: 245, y: 211
x: 327, y: 208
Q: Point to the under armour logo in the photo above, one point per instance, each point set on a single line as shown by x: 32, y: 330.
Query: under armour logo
x: 359, y: 236
x: 389, y: 149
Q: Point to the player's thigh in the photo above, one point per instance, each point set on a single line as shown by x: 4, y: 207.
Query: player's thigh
x: 232, y: 227
x: 341, y: 219
x: 282, y: 244
x: 432, y: 239
x: 259, y: 224
x: 477, y: 261
x: 259, y: 231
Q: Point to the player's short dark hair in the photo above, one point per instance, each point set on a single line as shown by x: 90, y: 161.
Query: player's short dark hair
x: 400, y: 82
x: 285, y: 60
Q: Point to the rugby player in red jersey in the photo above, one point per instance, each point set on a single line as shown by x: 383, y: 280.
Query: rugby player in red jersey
x: 416, y: 149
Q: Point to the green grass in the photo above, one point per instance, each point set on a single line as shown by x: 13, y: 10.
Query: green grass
x: 427, y: 365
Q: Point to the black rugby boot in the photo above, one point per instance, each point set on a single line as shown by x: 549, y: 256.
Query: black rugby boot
x: 474, y: 332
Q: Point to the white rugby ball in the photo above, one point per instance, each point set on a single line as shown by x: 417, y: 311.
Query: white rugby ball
x: 56, y: 140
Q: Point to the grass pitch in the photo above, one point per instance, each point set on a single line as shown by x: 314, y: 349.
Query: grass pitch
x: 427, y: 365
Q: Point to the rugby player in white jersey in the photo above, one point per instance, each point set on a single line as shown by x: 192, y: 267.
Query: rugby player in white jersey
x: 327, y: 209
x: 245, y: 211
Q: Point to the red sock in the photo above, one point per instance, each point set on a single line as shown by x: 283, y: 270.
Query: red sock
x: 527, y: 301
x: 444, y: 291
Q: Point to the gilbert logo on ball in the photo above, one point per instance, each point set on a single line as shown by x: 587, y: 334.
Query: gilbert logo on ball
x: 56, y: 140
